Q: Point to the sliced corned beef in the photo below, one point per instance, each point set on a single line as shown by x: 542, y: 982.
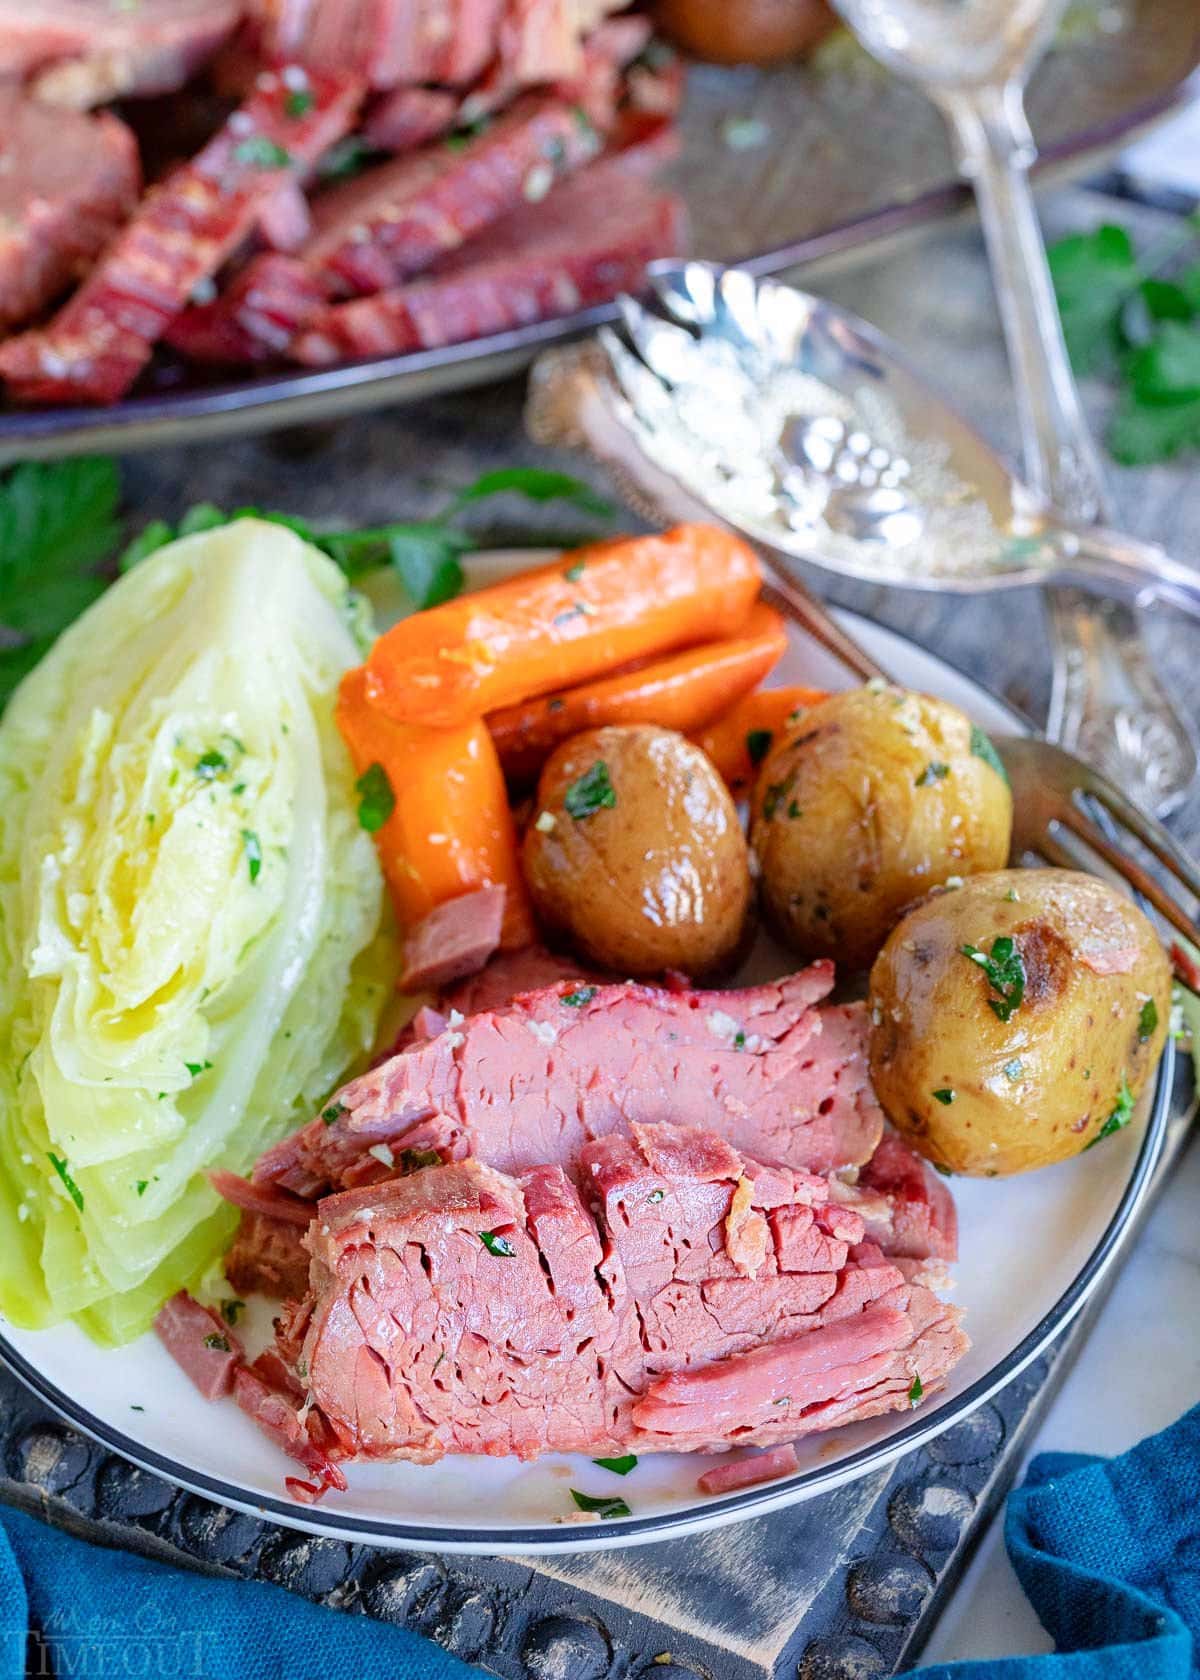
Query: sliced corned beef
x: 508, y: 975
x: 922, y: 1221
x: 533, y: 1081
x: 737, y: 1473
x: 267, y: 1258
x: 255, y: 318
x: 589, y: 241
x: 409, y: 117
x: 91, y: 50
x: 200, y: 1342
x: 462, y: 1310
x: 67, y: 183
x: 100, y: 340
x: 454, y: 940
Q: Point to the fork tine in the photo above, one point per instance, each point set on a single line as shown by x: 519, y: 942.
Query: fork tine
x: 1073, y: 818
x: 1051, y: 850
x: 1154, y: 838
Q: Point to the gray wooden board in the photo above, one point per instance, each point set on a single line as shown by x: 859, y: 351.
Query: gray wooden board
x: 841, y: 1588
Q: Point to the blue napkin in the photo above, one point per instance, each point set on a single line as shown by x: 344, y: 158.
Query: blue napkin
x: 101, y: 1612
x: 1108, y: 1551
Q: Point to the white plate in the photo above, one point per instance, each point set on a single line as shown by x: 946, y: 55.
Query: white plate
x: 1033, y: 1250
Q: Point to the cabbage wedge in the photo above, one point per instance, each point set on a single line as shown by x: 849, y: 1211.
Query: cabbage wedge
x: 194, y: 940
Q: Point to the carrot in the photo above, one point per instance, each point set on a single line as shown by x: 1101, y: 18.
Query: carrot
x: 450, y: 830
x: 738, y: 742
x: 592, y: 611
x: 683, y: 691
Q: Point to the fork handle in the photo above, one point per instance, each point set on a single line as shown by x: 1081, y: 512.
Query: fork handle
x: 1106, y: 703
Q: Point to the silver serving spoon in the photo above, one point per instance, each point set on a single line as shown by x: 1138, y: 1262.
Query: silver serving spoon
x: 973, y: 58
x: 726, y: 376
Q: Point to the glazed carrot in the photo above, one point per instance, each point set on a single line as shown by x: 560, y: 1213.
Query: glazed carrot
x: 451, y: 829
x: 684, y: 692
x: 589, y: 613
x: 738, y: 742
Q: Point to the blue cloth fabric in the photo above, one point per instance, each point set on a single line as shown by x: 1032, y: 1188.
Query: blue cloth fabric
x: 109, y: 1613
x: 1108, y: 1552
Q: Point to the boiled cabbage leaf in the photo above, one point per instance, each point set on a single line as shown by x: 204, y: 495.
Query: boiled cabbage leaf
x: 194, y: 939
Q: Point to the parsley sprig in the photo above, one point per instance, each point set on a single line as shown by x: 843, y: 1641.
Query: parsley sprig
x: 1123, y: 320
x: 61, y: 537
x: 1005, y: 970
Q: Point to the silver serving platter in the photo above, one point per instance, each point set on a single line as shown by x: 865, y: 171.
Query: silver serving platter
x: 841, y: 155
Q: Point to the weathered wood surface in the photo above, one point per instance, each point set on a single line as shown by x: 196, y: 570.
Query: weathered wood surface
x: 838, y: 1589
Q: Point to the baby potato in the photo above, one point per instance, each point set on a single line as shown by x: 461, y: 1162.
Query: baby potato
x: 1016, y: 1019
x: 636, y: 854
x: 877, y: 796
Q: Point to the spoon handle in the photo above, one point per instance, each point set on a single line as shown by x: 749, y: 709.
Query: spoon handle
x: 1106, y: 701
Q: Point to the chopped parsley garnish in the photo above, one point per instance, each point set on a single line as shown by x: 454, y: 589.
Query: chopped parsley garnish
x: 940, y: 1167
x: 413, y: 1160
x: 496, y: 1244
x: 262, y: 153
x: 1015, y: 1069
x: 794, y: 810
x: 656, y: 1195
x: 141, y: 1186
x: 591, y: 793
x: 758, y: 744
x: 916, y: 1391
x: 299, y: 102
x: 217, y: 1342
x: 739, y: 1039
x: 197, y: 1068
x: 1004, y: 968
x: 580, y: 996
x: 376, y: 799
x: 619, y: 1466
x: 72, y: 1189
x: 1148, y: 1020
x: 981, y: 746
x: 775, y: 794
x: 604, y: 1505
x: 1010, y: 896
x: 945, y: 1096
x: 253, y: 849
x: 333, y: 1112
x: 1120, y: 1117
x: 232, y: 1309
x: 934, y: 771
x: 574, y: 573
x: 137, y: 1408
x: 210, y: 764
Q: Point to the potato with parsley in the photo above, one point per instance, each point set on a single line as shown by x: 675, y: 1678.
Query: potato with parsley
x: 635, y: 853
x: 875, y: 797
x: 1017, y: 1019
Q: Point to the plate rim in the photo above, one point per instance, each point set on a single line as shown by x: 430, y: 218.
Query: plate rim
x: 547, y: 1540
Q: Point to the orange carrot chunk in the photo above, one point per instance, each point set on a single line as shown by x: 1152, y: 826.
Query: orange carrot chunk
x: 587, y: 614
x: 738, y: 742
x: 684, y: 692
x: 450, y: 830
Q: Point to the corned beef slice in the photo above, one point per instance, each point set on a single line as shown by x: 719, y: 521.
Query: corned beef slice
x: 590, y: 240
x: 93, y: 50
x: 67, y: 183
x: 644, y: 1331
x: 200, y: 1342
x: 386, y: 225
x: 921, y: 1220
x: 454, y: 940
x: 100, y: 340
x: 533, y: 1081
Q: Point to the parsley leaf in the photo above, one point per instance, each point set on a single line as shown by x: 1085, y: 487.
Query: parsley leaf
x: 376, y: 798
x: 334, y: 1112
x: 982, y: 747
x: 262, y: 153
x: 1093, y: 273
x: 916, y: 1391
x: 592, y: 792
x: 72, y: 1189
x: 619, y: 1466
x: 1147, y: 1020
x: 217, y: 1342
x: 933, y: 772
x: 1005, y: 971
x: 580, y: 996
x: 945, y: 1096
x: 758, y: 744
x: 254, y: 857
x: 604, y: 1505
x: 498, y: 1245
x: 232, y: 1309
x: 58, y: 521
x: 537, y: 484
x: 1120, y: 1117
